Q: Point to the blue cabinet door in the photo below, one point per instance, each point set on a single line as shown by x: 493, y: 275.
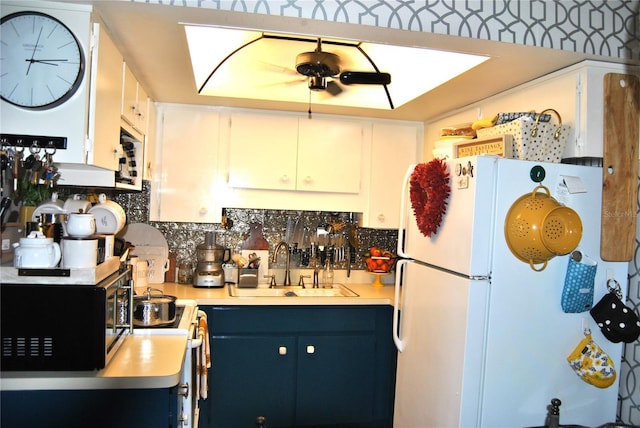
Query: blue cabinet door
x: 335, y: 379
x: 252, y: 376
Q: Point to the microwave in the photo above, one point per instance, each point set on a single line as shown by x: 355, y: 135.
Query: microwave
x: 53, y: 327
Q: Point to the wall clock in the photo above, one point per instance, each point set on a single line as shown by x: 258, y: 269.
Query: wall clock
x: 42, y: 61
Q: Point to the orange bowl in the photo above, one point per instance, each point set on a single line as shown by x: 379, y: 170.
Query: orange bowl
x: 380, y: 264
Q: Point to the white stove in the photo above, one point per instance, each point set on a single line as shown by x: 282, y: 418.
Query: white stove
x: 186, y: 324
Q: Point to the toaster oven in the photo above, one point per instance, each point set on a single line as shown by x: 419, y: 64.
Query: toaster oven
x: 50, y: 327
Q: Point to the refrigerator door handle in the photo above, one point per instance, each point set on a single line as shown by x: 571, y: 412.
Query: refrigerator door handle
x: 403, y: 211
x: 397, y: 304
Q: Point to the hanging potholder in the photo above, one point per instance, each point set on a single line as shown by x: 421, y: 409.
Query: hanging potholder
x: 592, y: 363
x: 577, y: 294
x: 617, y: 322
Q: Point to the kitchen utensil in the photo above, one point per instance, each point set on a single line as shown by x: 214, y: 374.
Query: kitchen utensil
x: 79, y: 253
x: 620, y: 166
x: 561, y: 231
x: 110, y: 217
x: 153, y: 308
x: 522, y: 227
x: 36, y: 251
x: 81, y: 225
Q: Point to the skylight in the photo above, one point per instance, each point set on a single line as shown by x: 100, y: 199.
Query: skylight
x: 246, y: 64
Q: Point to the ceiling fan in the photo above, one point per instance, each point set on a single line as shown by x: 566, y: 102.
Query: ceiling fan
x: 322, y: 68
x: 320, y: 65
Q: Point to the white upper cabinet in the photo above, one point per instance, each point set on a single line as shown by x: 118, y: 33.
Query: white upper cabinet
x: 186, y: 183
x: 281, y: 152
x: 106, y: 86
x: 263, y: 151
x: 329, y: 155
x: 394, y: 146
x: 134, y: 101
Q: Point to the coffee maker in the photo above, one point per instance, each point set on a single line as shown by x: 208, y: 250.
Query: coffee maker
x: 209, y: 272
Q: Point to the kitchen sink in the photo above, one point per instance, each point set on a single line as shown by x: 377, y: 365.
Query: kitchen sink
x: 338, y: 290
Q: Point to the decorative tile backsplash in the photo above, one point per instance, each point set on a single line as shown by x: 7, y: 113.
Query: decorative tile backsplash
x: 183, y: 238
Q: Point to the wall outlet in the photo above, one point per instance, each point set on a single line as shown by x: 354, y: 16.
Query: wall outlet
x: 6, y: 244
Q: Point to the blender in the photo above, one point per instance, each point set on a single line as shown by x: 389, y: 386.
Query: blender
x: 209, y: 272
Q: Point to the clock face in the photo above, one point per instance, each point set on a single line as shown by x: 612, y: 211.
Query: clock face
x: 42, y: 63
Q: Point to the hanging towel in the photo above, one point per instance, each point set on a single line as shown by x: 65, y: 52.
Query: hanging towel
x: 204, y: 356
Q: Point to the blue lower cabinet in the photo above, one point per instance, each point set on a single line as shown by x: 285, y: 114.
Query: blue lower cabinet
x: 107, y: 408
x: 301, y: 366
x: 249, y: 378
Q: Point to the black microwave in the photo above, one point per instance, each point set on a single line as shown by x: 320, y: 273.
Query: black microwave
x: 53, y: 327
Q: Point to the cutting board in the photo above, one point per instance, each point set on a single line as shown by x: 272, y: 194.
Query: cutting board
x: 620, y: 166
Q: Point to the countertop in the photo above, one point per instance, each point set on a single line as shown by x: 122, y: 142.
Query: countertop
x: 367, y: 295
x: 156, y: 361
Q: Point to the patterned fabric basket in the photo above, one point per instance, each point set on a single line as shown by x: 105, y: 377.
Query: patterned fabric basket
x: 532, y: 140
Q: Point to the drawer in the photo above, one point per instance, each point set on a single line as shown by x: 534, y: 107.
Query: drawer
x: 298, y: 319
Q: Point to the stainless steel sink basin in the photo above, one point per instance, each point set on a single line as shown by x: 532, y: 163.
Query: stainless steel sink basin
x: 338, y: 290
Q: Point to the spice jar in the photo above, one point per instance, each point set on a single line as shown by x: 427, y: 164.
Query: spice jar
x: 185, y: 273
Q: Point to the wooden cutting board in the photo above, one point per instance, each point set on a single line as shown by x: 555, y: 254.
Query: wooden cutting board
x: 620, y: 166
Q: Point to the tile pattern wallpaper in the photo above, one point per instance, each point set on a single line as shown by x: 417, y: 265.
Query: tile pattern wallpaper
x: 604, y: 28
x: 598, y: 27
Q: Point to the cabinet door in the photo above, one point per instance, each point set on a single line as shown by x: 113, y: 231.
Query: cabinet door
x: 329, y: 155
x: 335, y: 379
x: 251, y: 377
x: 186, y: 180
x: 142, y: 110
x: 262, y: 151
x: 129, y: 95
x: 150, y: 143
x: 394, y: 147
x: 106, y: 82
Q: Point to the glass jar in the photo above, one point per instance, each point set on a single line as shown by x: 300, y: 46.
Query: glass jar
x: 185, y: 273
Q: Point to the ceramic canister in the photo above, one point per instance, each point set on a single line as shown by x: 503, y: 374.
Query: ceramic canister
x: 81, y: 253
x: 81, y: 225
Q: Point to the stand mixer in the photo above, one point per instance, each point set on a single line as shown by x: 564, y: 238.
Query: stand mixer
x: 209, y: 272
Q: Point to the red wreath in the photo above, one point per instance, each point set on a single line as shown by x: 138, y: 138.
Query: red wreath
x: 429, y: 190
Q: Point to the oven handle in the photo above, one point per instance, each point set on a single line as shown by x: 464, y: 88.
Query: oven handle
x: 196, y: 342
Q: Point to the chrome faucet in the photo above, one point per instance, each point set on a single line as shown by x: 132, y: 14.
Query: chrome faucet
x: 274, y: 259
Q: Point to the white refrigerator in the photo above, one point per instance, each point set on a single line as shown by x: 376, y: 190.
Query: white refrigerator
x: 482, y: 337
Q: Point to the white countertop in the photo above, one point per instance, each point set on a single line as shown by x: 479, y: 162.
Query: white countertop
x: 145, y: 361
x: 367, y: 295
x: 141, y: 362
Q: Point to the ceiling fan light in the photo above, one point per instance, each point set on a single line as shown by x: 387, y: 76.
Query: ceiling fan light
x: 317, y: 83
x: 318, y: 64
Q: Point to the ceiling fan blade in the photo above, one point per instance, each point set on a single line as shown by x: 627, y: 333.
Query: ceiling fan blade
x: 278, y: 68
x: 334, y: 88
x: 364, y: 78
x: 290, y: 82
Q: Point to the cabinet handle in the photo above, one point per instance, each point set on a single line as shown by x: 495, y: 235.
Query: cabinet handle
x: 203, y: 211
x: 311, y: 349
x: 381, y: 218
x: 282, y: 350
x: 284, y: 178
x: 308, y: 180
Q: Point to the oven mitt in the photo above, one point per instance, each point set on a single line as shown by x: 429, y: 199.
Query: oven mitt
x: 617, y: 322
x: 592, y: 364
x: 577, y: 294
